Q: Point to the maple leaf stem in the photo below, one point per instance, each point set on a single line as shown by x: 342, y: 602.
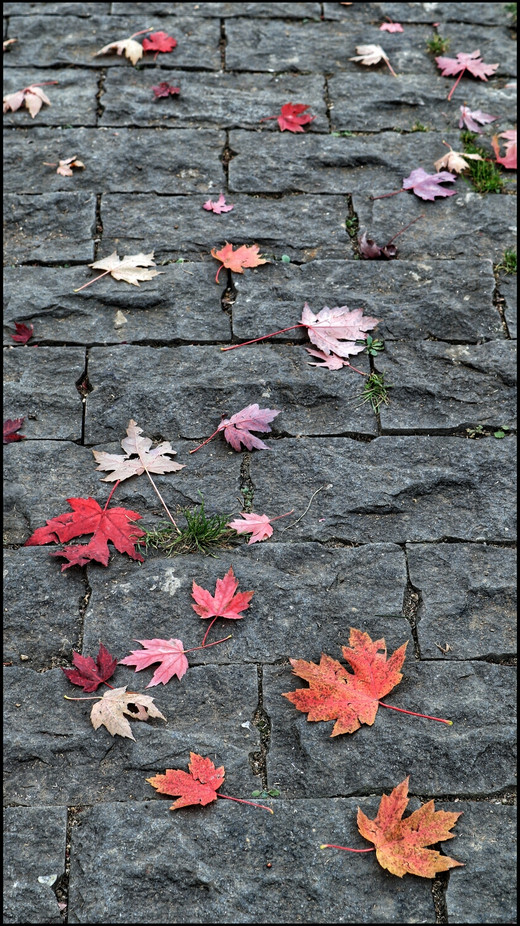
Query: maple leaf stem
x: 207, y: 631
x: 140, y: 33
x: 93, y: 698
x: 91, y: 281
x: 205, y: 645
x: 409, y: 223
x: 281, y: 331
x: 455, y: 85
x: 329, y: 845
x: 386, y: 195
x: 352, y: 367
x: 111, y: 494
x: 278, y: 516
x: 415, y: 714
x: 46, y: 83
x: 206, y: 441
x: 161, y: 499
x: 240, y: 801
x: 390, y: 66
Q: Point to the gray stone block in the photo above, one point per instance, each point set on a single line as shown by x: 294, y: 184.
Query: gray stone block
x: 222, y: 10
x: 54, y: 227
x: 463, y: 226
x: 181, y: 305
x: 226, y: 100
x: 53, y: 755
x: 496, y: 46
x: 41, y: 613
x: 325, y: 164
x: 305, y: 596
x: 66, y: 470
x: 482, y: 13
x: 393, y: 489
x: 438, y: 386
x: 303, y: 227
x: 55, y: 9
x: 80, y: 39
x: 467, y: 599
x: 507, y: 287
x: 275, y: 45
x: 126, y: 160
x: 370, y: 102
x: 485, y: 835
x: 235, y: 864
x: 73, y: 100
x: 475, y: 756
x: 40, y: 384
x: 205, y: 383
x: 449, y: 300
x: 34, y: 862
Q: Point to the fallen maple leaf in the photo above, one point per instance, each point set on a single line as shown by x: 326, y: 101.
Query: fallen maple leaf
x: 330, y: 361
x: 509, y: 160
x: 170, y: 653
x: 456, y: 160
x: 258, y: 525
x: 199, y: 786
x: 427, y: 185
x: 146, y: 460
x: 350, y: 699
x: 371, y: 251
x: 32, y: 96
x: 219, y: 206
x: 292, y: 117
x: 165, y: 89
x: 224, y: 603
x: 372, y: 54
x: 65, y: 166
x: 11, y: 425
x: 159, y: 42
x: 23, y: 334
x: 110, y: 711
x: 465, y: 62
x: 237, y: 428
x: 471, y: 119
x: 245, y: 256
x: 133, y: 50
x: 400, y: 843
x: 88, y: 674
x: 126, y: 268
x: 391, y: 27
x: 87, y: 517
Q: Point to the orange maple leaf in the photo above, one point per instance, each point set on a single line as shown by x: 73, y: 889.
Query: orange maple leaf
x: 198, y: 786
x: 244, y: 256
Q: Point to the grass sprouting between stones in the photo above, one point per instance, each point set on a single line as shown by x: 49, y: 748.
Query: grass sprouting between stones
x: 484, y: 175
x: 203, y: 533
x: 376, y: 391
x: 508, y: 262
x: 437, y: 45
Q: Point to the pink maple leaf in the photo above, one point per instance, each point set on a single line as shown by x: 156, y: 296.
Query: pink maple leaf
x: 465, y: 62
x: 237, y: 429
x: 258, y: 525
x: 224, y: 603
x: 391, y: 27
x: 330, y: 362
x: 509, y: 160
x: 471, y: 119
x: 170, y: 653
x: 427, y: 185
x: 330, y: 326
x: 218, y: 206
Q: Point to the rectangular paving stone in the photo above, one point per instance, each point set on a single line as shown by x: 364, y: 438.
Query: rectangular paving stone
x: 41, y: 610
x: 467, y: 599
x: 302, y: 227
x: 230, y: 100
x: 305, y: 595
x: 204, y: 383
x: 274, y: 45
x: 474, y: 756
x: 463, y: 226
x: 73, y: 100
x: 222, y: 10
x: 221, y: 872
x: 53, y: 755
x: 183, y: 304
x: 483, y: 13
x: 370, y: 102
x: 36, y: 837
x: 449, y: 300
x: 40, y: 385
x: 55, y: 9
x: 122, y: 160
x: 56, y: 227
x: 67, y: 470
x: 485, y: 835
x: 75, y: 41
x: 393, y: 489
x: 326, y: 164
x: 438, y: 386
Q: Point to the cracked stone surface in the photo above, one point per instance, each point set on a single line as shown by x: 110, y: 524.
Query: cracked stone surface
x: 36, y: 863
x: 50, y: 227
x: 55, y: 411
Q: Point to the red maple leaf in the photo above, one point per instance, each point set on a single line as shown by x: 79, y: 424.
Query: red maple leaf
x: 199, y: 786
x: 165, y: 89
x: 88, y: 674
x: 87, y: 517
x: 170, y: 653
x: 244, y: 256
x: 159, y: 42
x: 11, y: 425
x: 23, y: 333
x: 465, y: 62
x: 509, y: 160
x: 224, y: 603
x: 237, y: 429
x: 293, y: 116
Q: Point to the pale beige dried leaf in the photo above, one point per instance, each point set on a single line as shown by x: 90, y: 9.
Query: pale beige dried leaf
x: 111, y: 709
x: 369, y: 54
x: 456, y: 161
x: 13, y: 101
x: 34, y: 99
x: 132, y: 49
x: 127, y: 268
x: 8, y: 42
x: 64, y: 167
x: 148, y: 460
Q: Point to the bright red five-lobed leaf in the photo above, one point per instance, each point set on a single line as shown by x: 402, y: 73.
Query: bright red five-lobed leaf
x: 11, y: 426
x: 225, y: 603
x: 199, y: 786
x: 23, y: 334
x: 293, y: 116
x: 170, y: 653
x: 88, y: 674
x: 159, y: 42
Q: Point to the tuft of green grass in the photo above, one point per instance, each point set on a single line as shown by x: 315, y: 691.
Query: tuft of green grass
x: 511, y: 9
x: 508, y: 262
x: 419, y: 127
x: 437, y: 45
x: 342, y: 134
x: 484, y: 176
x: 203, y: 533
x: 375, y: 391
x: 352, y: 226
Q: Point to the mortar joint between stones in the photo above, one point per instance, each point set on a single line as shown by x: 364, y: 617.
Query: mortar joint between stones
x: 262, y: 722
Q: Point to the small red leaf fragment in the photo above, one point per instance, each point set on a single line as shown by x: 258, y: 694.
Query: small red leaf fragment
x: 165, y: 89
x: 88, y: 674
x: 198, y: 786
x: 170, y: 653
x: 219, y: 206
x: 391, y: 27
x: 225, y: 603
x: 23, y: 333
x: 293, y: 116
x: 11, y: 425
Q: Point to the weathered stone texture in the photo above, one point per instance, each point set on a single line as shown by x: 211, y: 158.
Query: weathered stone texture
x: 481, y: 13
x: 54, y: 756
x: 437, y: 386
x: 392, y: 489
x: 73, y: 101
x: 508, y: 289
x: 223, y: 10
x: 55, y: 9
x: 222, y: 856
x: 34, y: 863
x: 467, y: 599
x: 56, y: 227
x: 204, y: 383
x: 474, y: 756
x: 40, y: 384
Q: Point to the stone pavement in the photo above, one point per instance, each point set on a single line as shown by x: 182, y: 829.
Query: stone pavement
x: 411, y: 535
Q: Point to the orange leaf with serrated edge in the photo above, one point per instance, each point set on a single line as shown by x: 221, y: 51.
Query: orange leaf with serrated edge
x: 244, y: 256
x: 199, y: 786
